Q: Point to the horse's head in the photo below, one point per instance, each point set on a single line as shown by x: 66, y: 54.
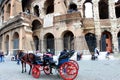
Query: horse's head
x: 31, y: 57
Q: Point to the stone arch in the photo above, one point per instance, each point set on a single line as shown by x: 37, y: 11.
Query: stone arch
x: 15, y: 42
x: 88, y: 9
x: 72, y: 7
x: 106, y: 41
x: 68, y: 40
x: 36, y: 10
x: 36, y: 24
x: 49, y: 42
x: 91, y: 41
x: 118, y: 36
x: 26, y: 5
x: 49, y: 6
x: 103, y: 9
x: 8, y: 10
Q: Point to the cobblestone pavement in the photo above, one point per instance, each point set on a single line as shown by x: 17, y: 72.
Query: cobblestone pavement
x: 89, y: 70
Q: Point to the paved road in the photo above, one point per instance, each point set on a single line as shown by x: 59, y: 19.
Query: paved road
x: 89, y: 70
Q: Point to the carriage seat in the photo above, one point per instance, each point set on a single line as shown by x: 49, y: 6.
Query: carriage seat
x: 49, y: 58
x: 38, y: 60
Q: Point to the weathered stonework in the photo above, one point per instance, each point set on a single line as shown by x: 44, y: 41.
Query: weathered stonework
x: 56, y: 20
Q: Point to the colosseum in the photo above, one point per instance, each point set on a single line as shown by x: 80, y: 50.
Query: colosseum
x: 81, y: 25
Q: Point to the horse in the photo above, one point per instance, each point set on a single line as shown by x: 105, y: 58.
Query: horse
x: 27, y: 58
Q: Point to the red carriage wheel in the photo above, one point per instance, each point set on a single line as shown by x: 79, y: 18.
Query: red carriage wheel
x: 68, y: 71
x: 46, y: 70
x: 74, y: 62
x: 36, y: 71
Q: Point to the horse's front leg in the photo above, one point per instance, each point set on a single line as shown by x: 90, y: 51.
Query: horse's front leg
x: 30, y: 69
x: 22, y: 67
x: 25, y: 67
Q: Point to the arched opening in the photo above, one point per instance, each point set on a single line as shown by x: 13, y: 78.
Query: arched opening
x: 118, y: 40
x: 8, y: 11
x: 49, y: 6
x: 7, y: 45
x: 117, y: 8
x: 36, y: 42
x: 68, y: 40
x: 65, y: 2
x: 103, y: 9
x: 72, y: 7
x: 91, y: 41
x: 15, y: 43
x: 2, y: 16
x: 49, y: 41
x: 26, y: 5
x: 36, y: 10
x: 106, y: 41
x: 88, y: 9
x: 36, y: 25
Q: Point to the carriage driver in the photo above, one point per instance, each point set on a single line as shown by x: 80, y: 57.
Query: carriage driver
x: 61, y: 54
x: 50, y: 60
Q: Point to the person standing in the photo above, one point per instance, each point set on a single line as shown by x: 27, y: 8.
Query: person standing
x: 96, y: 53
x: 0, y: 56
x: 107, y: 55
x: 79, y: 55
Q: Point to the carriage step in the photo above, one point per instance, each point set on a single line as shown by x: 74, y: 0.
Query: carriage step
x: 38, y: 62
x: 53, y: 61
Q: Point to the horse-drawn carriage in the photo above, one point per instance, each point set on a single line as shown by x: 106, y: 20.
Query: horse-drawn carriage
x: 68, y: 69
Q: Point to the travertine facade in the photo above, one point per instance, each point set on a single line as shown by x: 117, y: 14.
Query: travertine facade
x: 56, y: 24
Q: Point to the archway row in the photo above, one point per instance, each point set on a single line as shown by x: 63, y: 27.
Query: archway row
x: 14, y: 41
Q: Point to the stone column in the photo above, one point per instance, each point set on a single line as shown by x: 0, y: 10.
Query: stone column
x: 58, y: 45
x: 12, y: 9
x: 42, y: 41
x: 77, y: 43
x: 43, y: 46
x: 10, y: 43
x: 115, y: 41
x: 112, y: 9
x: 113, y: 26
x: 97, y: 22
x: 5, y: 12
x: 20, y: 39
x: 3, y: 43
x: 41, y: 11
x: 59, y: 7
